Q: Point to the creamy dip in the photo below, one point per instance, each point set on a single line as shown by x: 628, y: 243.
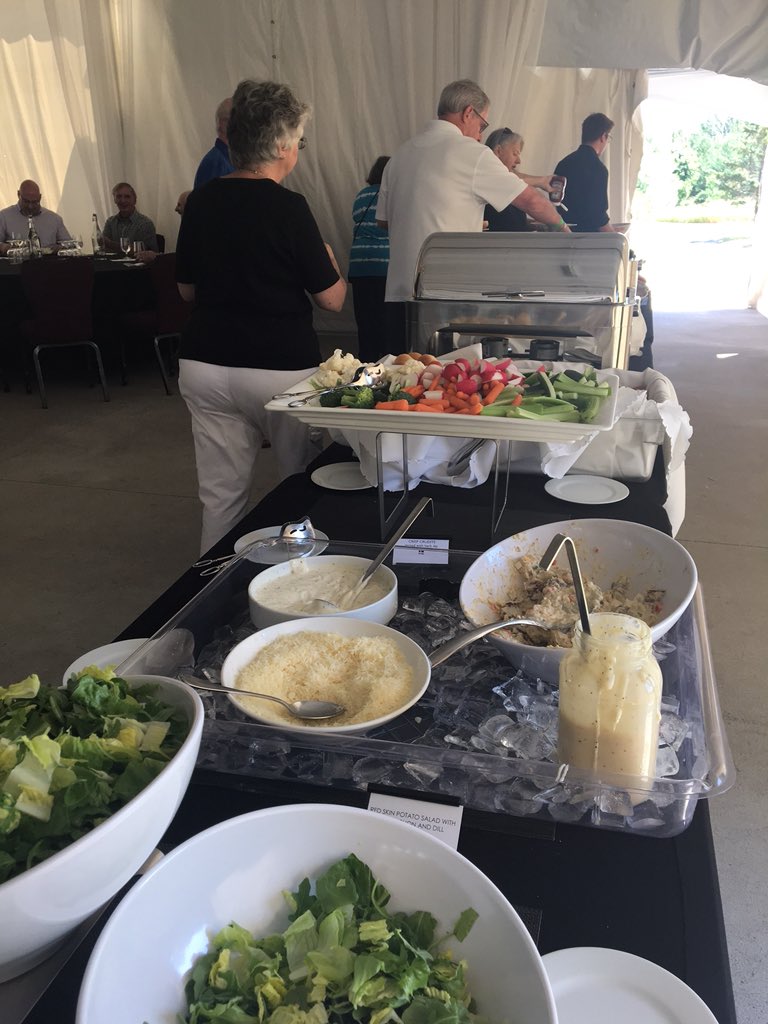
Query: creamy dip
x: 610, y: 699
x: 369, y: 675
x: 295, y: 591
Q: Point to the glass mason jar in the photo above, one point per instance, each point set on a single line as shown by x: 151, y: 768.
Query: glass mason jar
x: 610, y: 698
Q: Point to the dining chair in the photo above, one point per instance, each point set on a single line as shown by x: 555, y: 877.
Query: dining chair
x: 59, y: 296
x: 165, y: 322
x: 160, y: 242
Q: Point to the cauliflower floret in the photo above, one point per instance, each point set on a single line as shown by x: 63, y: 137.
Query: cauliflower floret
x: 404, y: 375
x: 338, y: 367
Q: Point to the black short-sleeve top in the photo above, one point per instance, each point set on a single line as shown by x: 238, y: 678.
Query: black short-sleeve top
x: 253, y: 251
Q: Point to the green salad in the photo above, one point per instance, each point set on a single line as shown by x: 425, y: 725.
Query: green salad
x: 344, y: 959
x: 71, y: 757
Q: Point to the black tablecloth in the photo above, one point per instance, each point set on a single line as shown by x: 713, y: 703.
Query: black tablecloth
x: 575, y: 886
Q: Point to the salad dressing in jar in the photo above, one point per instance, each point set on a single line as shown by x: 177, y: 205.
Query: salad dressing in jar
x: 610, y: 698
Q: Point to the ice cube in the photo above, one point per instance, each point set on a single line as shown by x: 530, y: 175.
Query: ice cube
x: 667, y: 763
x: 494, y: 727
x: 370, y: 769
x: 614, y: 801
x: 424, y: 774
x: 527, y: 742
x: 645, y: 824
x: 520, y: 797
x: 672, y: 730
x: 566, y: 812
x: 482, y: 744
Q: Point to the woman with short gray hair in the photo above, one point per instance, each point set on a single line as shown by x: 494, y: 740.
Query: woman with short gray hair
x: 249, y: 254
x: 508, y: 147
x: 265, y: 116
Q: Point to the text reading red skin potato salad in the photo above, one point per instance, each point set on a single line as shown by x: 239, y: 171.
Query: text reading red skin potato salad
x: 344, y: 959
x: 419, y: 383
x: 71, y: 757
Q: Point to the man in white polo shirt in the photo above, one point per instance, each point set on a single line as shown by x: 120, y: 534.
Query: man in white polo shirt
x: 441, y: 180
x: 14, y: 220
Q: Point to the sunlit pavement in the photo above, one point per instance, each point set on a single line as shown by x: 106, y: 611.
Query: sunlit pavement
x: 695, y: 267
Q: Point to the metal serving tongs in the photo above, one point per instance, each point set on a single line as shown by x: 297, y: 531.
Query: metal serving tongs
x: 364, y: 376
x: 548, y: 558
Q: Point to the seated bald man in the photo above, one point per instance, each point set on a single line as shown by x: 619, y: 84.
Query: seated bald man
x: 14, y: 220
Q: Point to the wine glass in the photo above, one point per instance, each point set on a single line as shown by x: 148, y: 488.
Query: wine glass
x: 125, y: 244
x: 16, y: 248
x: 138, y: 249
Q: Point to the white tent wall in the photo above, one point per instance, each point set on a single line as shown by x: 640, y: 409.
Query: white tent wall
x: 114, y: 89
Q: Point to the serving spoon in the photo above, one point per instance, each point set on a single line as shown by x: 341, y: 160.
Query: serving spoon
x: 346, y: 600
x: 364, y: 376
x: 311, y: 710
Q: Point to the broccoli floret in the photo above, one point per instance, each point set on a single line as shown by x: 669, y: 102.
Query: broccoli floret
x: 405, y: 396
x: 332, y: 400
x: 358, y: 398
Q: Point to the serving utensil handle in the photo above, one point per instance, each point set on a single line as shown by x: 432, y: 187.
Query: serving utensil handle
x: 450, y: 648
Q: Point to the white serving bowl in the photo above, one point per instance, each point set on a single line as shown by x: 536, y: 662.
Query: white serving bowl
x: 381, y: 610
x: 41, y: 906
x: 607, y: 548
x: 236, y: 871
x: 246, y: 651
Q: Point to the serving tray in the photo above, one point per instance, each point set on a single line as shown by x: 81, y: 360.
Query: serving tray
x: 443, y: 745
x: 442, y: 424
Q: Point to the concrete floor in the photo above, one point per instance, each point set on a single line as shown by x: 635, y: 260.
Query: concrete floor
x: 98, y: 512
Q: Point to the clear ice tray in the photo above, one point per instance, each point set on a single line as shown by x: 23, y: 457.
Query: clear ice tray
x: 484, y: 733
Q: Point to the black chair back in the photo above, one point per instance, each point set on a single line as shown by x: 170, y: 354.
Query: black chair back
x: 59, y: 292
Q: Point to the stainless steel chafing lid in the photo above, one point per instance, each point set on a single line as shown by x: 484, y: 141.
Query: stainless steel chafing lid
x: 523, y: 267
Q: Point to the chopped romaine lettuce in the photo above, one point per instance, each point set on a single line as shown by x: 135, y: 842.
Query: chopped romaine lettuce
x: 70, y: 757
x: 344, y: 958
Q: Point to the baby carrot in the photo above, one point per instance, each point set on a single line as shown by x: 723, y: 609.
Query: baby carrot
x: 471, y: 410
x: 493, y: 392
x: 397, y: 406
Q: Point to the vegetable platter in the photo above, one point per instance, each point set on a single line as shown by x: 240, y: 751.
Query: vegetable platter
x: 458, y: 396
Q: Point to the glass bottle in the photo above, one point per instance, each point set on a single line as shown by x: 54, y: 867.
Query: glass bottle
x: 97, y: 238
x: 610, y: 698
x: 33, y: 239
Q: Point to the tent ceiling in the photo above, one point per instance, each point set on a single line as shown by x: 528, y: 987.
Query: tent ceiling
x: 717, y: 35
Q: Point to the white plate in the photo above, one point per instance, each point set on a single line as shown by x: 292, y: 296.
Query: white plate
x: 110, y: 654
x: 606, y: 986
x: 274, y: 555
x: 341, y: 476
x: 587, y: 490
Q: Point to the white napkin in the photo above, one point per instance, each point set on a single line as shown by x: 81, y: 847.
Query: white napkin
x: 428, y: 459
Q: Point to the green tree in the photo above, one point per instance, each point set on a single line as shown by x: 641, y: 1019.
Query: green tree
x: 723, y: 159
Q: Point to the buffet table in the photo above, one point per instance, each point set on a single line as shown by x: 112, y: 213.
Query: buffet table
x: 573, y: 886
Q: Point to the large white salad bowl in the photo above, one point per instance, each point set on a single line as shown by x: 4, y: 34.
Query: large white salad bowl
x: 607, y: 548
x: 236, y: 870
x: 41, y: 906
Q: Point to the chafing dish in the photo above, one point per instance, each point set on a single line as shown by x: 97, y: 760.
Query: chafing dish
x: 512, y: 291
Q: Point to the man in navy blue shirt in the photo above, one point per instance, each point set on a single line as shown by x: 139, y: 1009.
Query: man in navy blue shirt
x: 587, y: 188
x: 216, y: 162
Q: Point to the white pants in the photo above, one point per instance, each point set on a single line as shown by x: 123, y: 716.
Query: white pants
x: 229, y: 423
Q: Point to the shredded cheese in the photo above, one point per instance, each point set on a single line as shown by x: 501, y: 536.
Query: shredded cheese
x: 368, y: 675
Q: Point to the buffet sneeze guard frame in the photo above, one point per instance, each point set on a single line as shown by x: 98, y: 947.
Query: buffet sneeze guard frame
x: 508, y: 289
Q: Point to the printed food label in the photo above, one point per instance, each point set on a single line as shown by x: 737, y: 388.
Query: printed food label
x: 428, y: 551
x: 441, y: 820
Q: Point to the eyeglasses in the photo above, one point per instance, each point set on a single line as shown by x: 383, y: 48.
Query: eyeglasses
x: 483, y: 123
x: 302, y: 143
